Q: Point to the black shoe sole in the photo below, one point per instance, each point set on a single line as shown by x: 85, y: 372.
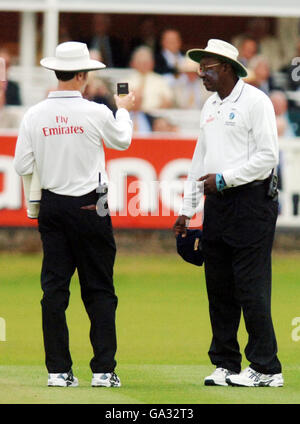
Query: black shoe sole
x: 237, y: 385
x: 212, y: 383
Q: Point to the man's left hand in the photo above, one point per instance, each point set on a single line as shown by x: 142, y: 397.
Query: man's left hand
x: 210, y: 186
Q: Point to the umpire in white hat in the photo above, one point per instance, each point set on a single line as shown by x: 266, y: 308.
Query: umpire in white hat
x: 235, y: 158
x: 64, y: 135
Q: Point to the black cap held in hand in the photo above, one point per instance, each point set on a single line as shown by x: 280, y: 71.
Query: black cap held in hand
x: 190, y: 247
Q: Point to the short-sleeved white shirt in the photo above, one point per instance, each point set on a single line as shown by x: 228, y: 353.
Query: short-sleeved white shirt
x: 63, y: 134
x: 238, y: 138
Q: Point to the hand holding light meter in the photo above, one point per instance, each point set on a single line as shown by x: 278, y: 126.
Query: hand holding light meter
x: 124, y: 98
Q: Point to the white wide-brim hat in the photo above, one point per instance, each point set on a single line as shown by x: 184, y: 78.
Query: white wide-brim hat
x: 71, y: 56
x: 221, y: 50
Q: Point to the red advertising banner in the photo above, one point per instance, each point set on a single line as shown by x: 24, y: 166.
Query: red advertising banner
x: 145, y: 183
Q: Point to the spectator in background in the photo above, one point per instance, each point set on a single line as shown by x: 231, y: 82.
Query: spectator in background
x: 284, y: 125
x: 267, y: 45
x: 247, y: 50
x: 285, y: 128
x: 98, y: 89
x: 64, y: 34
x: 9, y: 119
x: 110, y: 48
x: 142, y: 122
x: 151, y: 86
x: 12, y: 90
x: 188, y: 88
x: 162, y: 124
x: 292, y: 69
x: 169, y: 57
x: 146, y: 35
x: 261, y: 78
x: 292, y: 73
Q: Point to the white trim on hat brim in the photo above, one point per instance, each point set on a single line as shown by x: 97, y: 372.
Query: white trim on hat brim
x: 55, y: 64
x: 203, y: 52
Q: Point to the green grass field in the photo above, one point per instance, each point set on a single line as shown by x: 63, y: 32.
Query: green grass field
x: 163, y: 335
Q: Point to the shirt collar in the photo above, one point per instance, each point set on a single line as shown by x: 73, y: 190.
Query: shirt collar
x: 62, y: 94
x: 234, y: 95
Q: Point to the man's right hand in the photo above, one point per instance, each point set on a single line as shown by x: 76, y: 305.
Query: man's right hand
x: 181, y: 225
x: 126, y: 102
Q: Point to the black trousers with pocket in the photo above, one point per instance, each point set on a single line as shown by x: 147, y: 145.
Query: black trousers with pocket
x: 238, y: 233
x: 75, y: 238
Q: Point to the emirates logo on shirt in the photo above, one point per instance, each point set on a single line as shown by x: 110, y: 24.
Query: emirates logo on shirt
x: 62, y: 127
x: 62, y: 130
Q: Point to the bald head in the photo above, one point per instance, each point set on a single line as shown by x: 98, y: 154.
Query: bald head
x: 248, y: 48
x: 142, y: 60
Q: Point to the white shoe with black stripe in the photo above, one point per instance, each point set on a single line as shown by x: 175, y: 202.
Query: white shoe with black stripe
x: 218, y: 377
x: 66, y: 379
x: 107, y: 379
x: 251, y: 378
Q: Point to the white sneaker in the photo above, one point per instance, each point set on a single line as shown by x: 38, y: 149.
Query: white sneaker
x: 218, y: 377
x: 106, y: 380
x: 251, y: 378
x: 66, y: 379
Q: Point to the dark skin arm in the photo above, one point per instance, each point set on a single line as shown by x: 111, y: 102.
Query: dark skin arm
x: 210, y: 187
x: 181, y: 225
x: 209, y: 183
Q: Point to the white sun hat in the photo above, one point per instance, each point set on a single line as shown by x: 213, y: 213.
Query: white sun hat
x: 222, y: 50
x: 71, y: 56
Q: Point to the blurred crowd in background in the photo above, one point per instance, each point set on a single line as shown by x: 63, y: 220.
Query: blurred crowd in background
x: 164, y: 79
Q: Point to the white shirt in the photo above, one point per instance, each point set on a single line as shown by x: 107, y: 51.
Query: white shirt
x: 63, y: 135
x: 238, y: 138
x: 172, y: 59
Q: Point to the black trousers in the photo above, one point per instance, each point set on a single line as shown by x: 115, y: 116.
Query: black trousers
x: 75, y: 238
x: 238, y: 233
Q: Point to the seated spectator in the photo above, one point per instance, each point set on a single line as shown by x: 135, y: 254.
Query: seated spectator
x: 168, y: 59
x: 12, y: 90
x: 267, y: 45
x: 284, y: 129
x: 292, y: 73
x: 292, y: 69
x: 284, y: 126
x: 146, y: 35
x: 247, y: 50
x: 9, y: 119
x: 262, y: 78
x: 188, y: 88
x: 110, y: 48
x: 153, y: 88
x: 98, y: 89
x: 142, y: 122
x: 161, y: 124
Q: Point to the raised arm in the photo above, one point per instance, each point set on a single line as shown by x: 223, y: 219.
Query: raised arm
x: 117, y: 131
